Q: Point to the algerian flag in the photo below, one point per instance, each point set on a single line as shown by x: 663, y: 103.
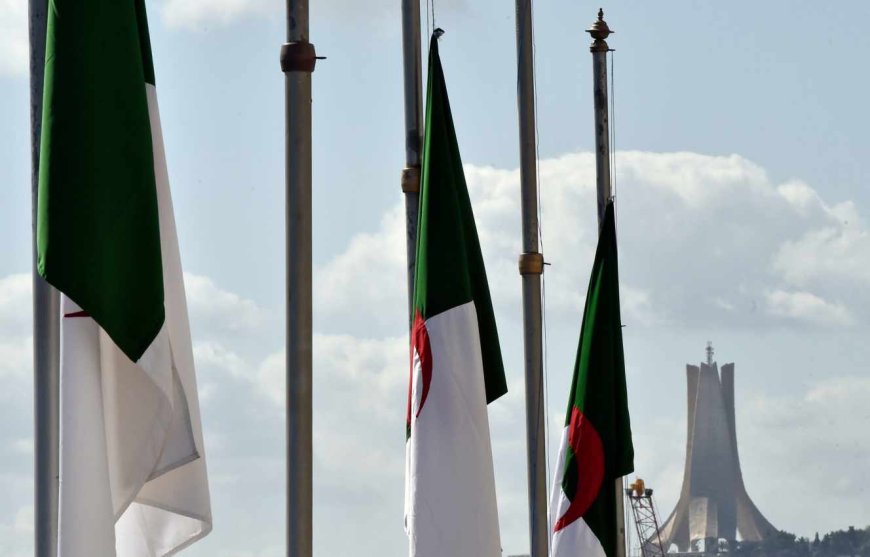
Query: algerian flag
x: 456, y: 366
x: 596, y: 446
x: 132, y: 467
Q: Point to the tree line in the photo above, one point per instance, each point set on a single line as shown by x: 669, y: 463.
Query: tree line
x: 841, y: 543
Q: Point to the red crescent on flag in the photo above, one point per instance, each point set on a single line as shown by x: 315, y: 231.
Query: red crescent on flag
x: 420, y: 345
x: 77, y: 314
x: 589, y: 461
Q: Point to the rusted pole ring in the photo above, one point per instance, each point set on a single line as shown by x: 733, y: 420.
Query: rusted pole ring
x: 411, y: 179
x: 298, y: 57
x: 531, y: 263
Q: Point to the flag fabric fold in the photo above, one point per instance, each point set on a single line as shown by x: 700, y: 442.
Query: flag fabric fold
x: 596, y: 446
x: 456, y: 364
x: 133, y: 479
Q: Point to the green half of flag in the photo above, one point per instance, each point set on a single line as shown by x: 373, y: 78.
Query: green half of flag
x: 599, y: 447
x: 450, y: 270
x: 98, y: 237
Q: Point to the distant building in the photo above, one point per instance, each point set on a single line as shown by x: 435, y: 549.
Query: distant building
x: 713, y: 502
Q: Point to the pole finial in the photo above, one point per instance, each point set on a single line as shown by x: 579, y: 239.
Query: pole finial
x: 709, y: 353
x: 599, y: 31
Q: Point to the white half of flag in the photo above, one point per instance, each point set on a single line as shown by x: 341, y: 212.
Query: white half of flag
x: 133, y: 479
x: 451, y: 507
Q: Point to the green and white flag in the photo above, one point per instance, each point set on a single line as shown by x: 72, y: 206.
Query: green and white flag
x: 132, y: 467
x: 456, y: 365
x: 596, y: 446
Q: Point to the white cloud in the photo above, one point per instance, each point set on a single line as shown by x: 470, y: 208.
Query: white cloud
x: 371, y: 272
x: 212, y: 354
x: 268, y: 552
x: 23, y: 446
x: 813, y: 445
x: 823, y: 432
x: 15, y: 356
x: 14, y: 47
x: 270, y: 380
x: 703, y: 240
x: 846, y: 390
x: 16, y: 536
x: 15, y: 302
x: 198, y: 14
x: 838, y: 253
x: 16, y: 515
x: 801, y: 196
x: 807, y: 307
x: 368, y: 372
x: 695, y: 180
x: 359, y: 389
x: 24, y: 520
x: 639, y: 304
x: 217, y: 309
x: 15, y: 325
x: 706, y: 243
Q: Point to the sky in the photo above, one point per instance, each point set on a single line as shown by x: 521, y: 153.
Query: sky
x: 742, y: 213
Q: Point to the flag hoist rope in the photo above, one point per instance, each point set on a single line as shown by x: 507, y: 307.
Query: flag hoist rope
x: 612, y: 99
x: 546, y: 352
x: 626, y: 512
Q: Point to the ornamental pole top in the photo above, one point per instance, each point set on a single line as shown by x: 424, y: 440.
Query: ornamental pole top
x: 599, y: 31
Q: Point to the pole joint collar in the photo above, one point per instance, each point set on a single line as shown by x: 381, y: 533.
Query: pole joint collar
x: 298, y: 56
x: 531, y: 263
x: 411, y: 179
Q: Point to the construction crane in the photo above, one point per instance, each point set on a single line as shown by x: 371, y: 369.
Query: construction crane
x: 645, y: 519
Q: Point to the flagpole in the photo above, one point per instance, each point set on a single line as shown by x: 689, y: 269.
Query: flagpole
x: 297, y: 62
x: 599, y: 49
x: 46, y: 326
x: 413, y: 87
x: 531, y: 266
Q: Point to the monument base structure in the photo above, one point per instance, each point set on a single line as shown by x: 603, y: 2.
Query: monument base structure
x: 713, y: 502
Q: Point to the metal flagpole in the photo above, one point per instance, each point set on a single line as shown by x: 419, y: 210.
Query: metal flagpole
x: 46, y: 326
x: 531, y: 266
x: 297, y: 62
x: 413, y: 71
x: 600, y: 31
